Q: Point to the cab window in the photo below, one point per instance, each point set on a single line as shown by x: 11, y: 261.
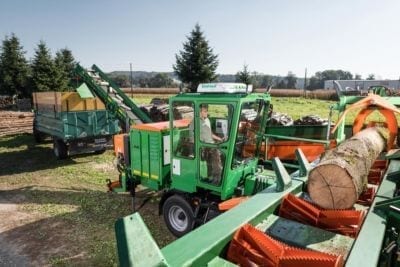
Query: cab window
x: 183, y: 131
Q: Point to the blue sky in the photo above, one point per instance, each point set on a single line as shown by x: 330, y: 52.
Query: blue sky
x: 272, y: 37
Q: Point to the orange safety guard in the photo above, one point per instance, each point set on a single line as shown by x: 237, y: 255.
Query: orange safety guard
x: 286, y: 149
x: 231, y: 203
x: 391, y: 123
x: 162, y: 125
x: 119, y: 144
x: 385, y: 108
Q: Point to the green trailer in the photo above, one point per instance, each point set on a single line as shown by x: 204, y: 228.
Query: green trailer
x: 76, y: 125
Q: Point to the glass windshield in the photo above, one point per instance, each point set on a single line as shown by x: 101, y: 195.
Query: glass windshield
x: 249, y: 133
x: 183, y: 143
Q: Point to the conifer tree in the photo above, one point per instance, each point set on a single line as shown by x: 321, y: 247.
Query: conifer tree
x: 64, y: 65
x: 14, y: 68
x: 244, y: 76
x: 43, y: 69
x: 196, y: 63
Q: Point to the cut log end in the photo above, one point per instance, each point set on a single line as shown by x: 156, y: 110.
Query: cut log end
x: 331, y: 187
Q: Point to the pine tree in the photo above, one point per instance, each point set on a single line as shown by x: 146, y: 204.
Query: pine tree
x: 196, y: 63
x: 64, y: 65
x: 244, y: 76
x: 14, y: 69
x: 43, y: 69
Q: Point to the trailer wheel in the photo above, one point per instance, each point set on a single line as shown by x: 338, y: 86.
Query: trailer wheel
x: 38, y: 136
x: 178, y: 215
x: 60, y: 149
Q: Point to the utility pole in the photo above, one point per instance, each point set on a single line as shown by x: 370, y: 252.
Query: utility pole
x: 305, y: 80
x: 131, y: 79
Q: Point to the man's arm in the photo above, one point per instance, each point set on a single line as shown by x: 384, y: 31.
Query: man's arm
x: 217, y: 138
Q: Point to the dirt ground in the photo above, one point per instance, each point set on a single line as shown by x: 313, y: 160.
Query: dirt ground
x: 58, y: 213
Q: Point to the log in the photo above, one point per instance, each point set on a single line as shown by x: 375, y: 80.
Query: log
x: 342, y: 174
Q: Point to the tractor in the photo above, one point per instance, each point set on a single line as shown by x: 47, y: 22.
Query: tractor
x: 194, y: 172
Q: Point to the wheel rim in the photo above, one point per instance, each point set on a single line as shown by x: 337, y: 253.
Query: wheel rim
x: 178, y: 218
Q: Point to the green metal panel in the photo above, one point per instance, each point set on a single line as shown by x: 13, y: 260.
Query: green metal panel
x: 84, y: 91
x: 186, y: 180
x: 220, y: 262
x: 74, y: 125
x: 136, y: 152
x: 367, y: 247
x: 130, y: 229
x: 147, y: 158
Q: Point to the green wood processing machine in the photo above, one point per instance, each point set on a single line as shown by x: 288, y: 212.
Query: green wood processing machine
x: 278, y: 225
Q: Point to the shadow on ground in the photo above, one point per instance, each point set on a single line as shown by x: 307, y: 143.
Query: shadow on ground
x: 24, y: 155
x: 80, y: 236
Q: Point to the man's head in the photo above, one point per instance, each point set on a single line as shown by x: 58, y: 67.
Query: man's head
x: 203, y: 111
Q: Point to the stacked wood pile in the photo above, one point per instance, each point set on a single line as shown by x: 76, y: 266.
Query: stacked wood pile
x: 183, y: 112
x: 159, y: 101
x: 13, y: 122
x: 160, y: 112
x: 146, y: 108
x: 311, y: 120
x: 5, y: 101
x: 282, y: 119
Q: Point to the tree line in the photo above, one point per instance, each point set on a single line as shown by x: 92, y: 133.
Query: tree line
x: 157, y: 80
x: 20, y: 76
x: 195, y: 63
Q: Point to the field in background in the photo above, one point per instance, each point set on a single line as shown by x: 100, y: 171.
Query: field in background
x: 59, y: 213
x: 321, y: 94
x: 296, y: 107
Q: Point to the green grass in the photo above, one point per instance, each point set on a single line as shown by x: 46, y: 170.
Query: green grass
x: 299, y: 107
x: 69, y: 198
x: 296, y: 107
x: 146, y: 98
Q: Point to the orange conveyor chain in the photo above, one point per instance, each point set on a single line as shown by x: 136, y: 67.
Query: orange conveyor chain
x: 345, y: 222
x: 251, y: 247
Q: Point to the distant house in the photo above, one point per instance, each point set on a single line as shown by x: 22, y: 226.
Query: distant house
x: 362, y: 84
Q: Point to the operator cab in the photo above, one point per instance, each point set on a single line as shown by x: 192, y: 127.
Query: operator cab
x: 220, y: 145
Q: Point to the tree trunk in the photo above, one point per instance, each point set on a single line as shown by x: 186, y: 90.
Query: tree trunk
x: 342, y: 174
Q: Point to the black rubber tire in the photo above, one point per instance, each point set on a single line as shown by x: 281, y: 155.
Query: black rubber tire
x: 38, y: 136
x: 60, y: 149
x: 178, y: 215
